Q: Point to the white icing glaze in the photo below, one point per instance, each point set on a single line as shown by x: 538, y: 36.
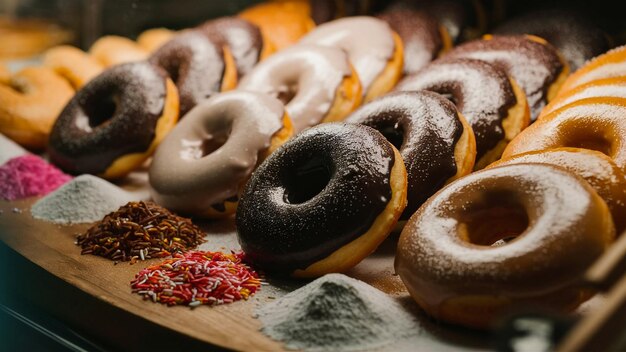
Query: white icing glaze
x: 312, y: 72
x: 183, y: 179
x: 367, y: 40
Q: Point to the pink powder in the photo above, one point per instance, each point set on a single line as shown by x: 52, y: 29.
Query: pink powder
x: 28, y: 176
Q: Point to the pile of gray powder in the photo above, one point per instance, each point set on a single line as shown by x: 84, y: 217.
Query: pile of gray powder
x: 336, y: 312
x: 84, y: 199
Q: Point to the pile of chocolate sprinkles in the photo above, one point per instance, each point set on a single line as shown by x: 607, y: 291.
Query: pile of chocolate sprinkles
x: 140, y: 230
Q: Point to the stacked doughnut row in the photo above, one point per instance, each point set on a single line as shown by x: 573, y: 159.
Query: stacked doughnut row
x: 333, y: 134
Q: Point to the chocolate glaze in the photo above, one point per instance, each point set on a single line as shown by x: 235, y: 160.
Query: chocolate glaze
x: 195, y: 64
x: 481, y: 92
x: 567, y: 230
x: 284, y: 225
x: 310, y: 73
x: 427, y: 128
x: 576, y: 38
x: 211, y: 153
x: 420, y: 35
x: 534, y: 66
x: 242, y: 38
x: 114, y: 114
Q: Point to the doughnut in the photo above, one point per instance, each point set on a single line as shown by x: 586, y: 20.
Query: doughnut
x: 243, y: 39
x: 574, y: 36
x: 5, y: 74
x: 606, y: 87
x: 374, y: 49
x: 503, y: 237
x: 25, y: 38
x: 199, y: 67
x: 73, y: 64
x: 322, y: 202
x: 434, y: 140
x: 201, y: 166
x: 112, y: 50
x: 610, y: 64
x: 534, y: 64
x: 462, y: 20
x: 423, y: 38
x: 594, y: 123
x: 596, y: 168
x: 282, y: 23
x: 492, y: 103
x: 114, y: 123
x: 152, y: 39
x: 30, y: 102
x: 316, y: 83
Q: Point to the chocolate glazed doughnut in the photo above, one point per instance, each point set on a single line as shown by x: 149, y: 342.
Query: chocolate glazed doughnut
x: 436, y: 143
x: 199, y: 67
x: 494, y: 107
x: 533, y: 63
x: 115, y: 121
x: 242, y: 38
x: 323, y: 201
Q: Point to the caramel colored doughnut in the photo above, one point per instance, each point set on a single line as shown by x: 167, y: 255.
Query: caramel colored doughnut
x: 30, y: 102
x: 316, y: 83
x: 610, y: 64
x: 535, y: 65
x: 596, y: 168
x: 423, y: 38
x: 5, y: 74
x: 594, y: 123
x: 492, y: 104
x: 73, y: 64
x: 575, y: 37
x: 322, y: 202
x: 282, y: 23
x: 152, y: 39
x: 200, y: 67
x: 113, y: 50
x: 500, y: 238
x: 201, y: 166
x: 607, y: 87
x: 242, y: 38
x: 115, y: 122
x: 374, y: 49
x: 434, y: 140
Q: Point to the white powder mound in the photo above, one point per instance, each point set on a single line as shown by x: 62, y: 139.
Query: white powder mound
x: 336, y: 313
x: 9, y: 149
x: 84, y: 199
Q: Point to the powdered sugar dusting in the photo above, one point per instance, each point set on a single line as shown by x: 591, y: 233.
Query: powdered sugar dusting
x: 613, y: 90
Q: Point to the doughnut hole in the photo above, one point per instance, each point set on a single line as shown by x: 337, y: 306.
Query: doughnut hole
x: 393, y: 132
x: 305, y: 180
x: 199, y: 148
x: 97, y: 111
x: 493, y: 223
x: 583, y: 138
x: 287, y: 92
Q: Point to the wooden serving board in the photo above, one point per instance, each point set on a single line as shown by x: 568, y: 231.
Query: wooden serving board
x: 98, y: 282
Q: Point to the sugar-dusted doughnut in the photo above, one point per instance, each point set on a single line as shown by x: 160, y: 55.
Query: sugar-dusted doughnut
x: 594, y: 123
x: 201, y: 166
x: 596, y: 168
x: 30, y: 101
x: 199, y: 67
x: 73, y: 64
x: 374, y: 49
x: 492, y: 104
x: 113, y: 50
x: 114, y: 123
x: 434, y: 140
x: 424, y: 39
x: 513, y: 235
x: 323, y: 201
x: 614, y: 87
x: 607, y: 65
x: 316, y: 83
x: 533, y: 63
